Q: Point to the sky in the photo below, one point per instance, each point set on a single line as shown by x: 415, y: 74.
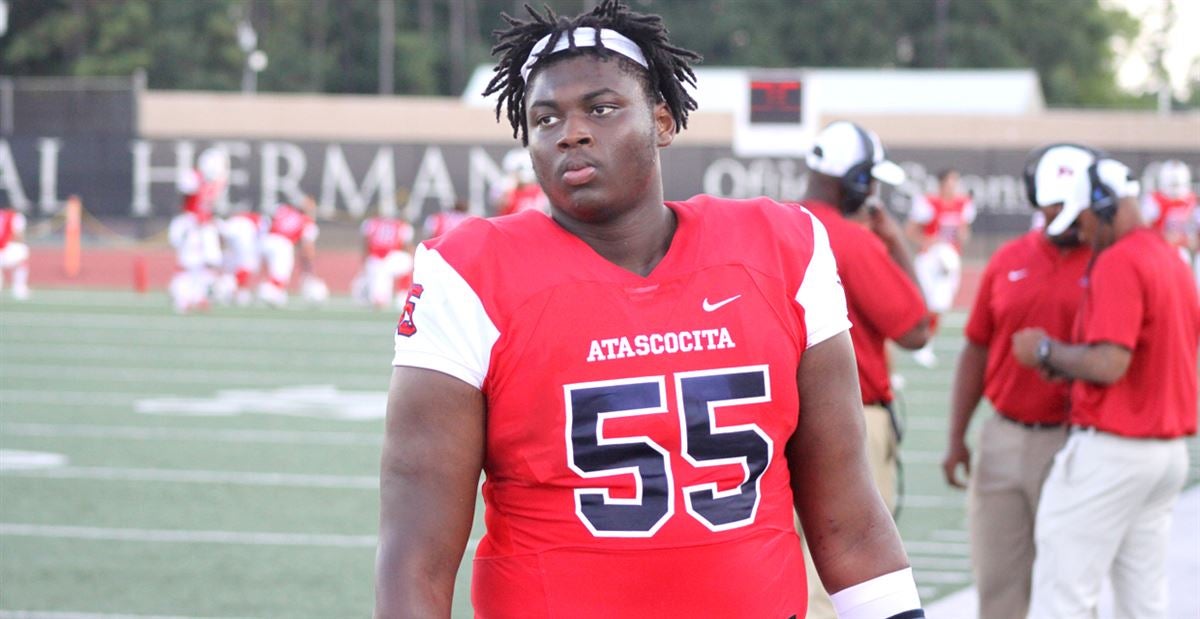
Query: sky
x: 1183, y: 44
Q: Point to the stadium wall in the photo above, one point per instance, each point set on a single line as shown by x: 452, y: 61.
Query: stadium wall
x: 416, y: 155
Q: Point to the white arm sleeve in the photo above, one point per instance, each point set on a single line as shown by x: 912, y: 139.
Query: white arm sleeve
x: 450, y: 331
x: 922, y: 211
x: 969, y: 212
x: 821, y: 294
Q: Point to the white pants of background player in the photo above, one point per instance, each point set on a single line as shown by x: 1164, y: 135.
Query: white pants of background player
x: 197, y: 255
x: 15, y: 258
x: 242, y: 260
x: 280, y: 255
x: 939, y: 270
x: 376, y: 283
x: 1106, y: 510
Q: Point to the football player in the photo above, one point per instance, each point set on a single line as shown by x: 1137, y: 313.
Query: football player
x: 290, y: 227
x: 193, y: 232
x: 386, y: 259
x: 940, y: 224
x: 14, y: 253
x: 651, y: 387
x: 241, y: 235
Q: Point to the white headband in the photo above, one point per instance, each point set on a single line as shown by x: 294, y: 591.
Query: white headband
x: 584, y: 37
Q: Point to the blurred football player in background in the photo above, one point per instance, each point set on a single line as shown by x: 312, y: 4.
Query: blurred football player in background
x: 291, y: 227
x: 443, y: 221
x: 387, y: 261
x: 521, y: 191
x: 241, y: 237
x: 193, y: 232
x: 940, y: 224
x: 1171, y: 210
x: 14, y: 253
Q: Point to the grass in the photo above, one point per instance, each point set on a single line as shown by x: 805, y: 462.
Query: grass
x: 268, y: 507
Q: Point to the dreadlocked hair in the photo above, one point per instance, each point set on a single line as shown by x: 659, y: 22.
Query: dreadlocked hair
x: 669, y: 66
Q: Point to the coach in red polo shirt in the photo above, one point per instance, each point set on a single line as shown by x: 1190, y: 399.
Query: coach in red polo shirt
x: 1035, y: 280
x: 1106, y: 506
x: 882, y: 296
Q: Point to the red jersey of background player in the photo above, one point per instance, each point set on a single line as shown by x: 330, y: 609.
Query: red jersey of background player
x: 290, y: 223
x: 199, y: 195
x: 385, y: 235
x: 1029, y: 282
x: 8, y: 225
x: 1176, y: 216
x: 442, y: 222
x: 884, y: 303
x: 1140, y: 296
x: 638, y: 463
x: 526, y: 197
x: 941, y: 218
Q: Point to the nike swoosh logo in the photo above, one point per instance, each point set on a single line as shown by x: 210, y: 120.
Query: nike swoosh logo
x: 1017, y: 275
x: 712, y: 307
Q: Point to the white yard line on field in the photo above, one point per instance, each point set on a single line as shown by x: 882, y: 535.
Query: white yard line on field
x: 142, y: 433
x: 223, y: 324
x: 180, y: 536
x: 71, y: 614
x: 181, y: 375
x: 242, y: 478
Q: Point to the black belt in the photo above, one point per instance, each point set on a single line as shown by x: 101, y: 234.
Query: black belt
x: 1037, y: 425
x: 891, y: 415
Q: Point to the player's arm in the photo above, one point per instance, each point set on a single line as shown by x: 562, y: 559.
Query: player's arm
x: 1102, y: 363
x: 964, y: 398
x: 429, y: 474
x: 853, y: 540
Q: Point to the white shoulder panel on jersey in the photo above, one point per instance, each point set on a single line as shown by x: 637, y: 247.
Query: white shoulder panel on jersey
x: 453, y: 333
x: 821, y: 294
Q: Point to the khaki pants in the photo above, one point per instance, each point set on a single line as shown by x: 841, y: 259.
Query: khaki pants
x: 1011, y: 464
x: 881, y: 455
x: 1106, y: 510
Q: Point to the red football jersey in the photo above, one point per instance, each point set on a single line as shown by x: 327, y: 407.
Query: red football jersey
x: 202, y: 196
x: 11, y: 222
x: 884, y: 303
x: 292, y: 224
x: 636, y: 425
x: 1029, y: 282
x: 941, y: 218
x: 442, y: 222
x: 1141, y: 296
x: 1174, y: 218
x: 528, y: 197
x: 385, y: 235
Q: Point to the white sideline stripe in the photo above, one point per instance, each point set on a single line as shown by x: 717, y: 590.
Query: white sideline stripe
x: 252, y: 355
x: 221, y: 324
x: 142, y: 433
x: 181, y: 375
x: 105, y: 473
x: 941, y: 577
x: 175, y: 341
x: 937, y: 548
x: 931, y: 501
x: 71, y: 614
x: 177, y: 536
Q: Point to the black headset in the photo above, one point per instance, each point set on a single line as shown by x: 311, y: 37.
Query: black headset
x: 1102, y: 197
x: 856, y: 182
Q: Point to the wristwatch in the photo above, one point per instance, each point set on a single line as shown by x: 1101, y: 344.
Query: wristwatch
x: 1043, y: 352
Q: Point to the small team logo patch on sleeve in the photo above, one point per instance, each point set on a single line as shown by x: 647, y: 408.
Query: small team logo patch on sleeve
x: 406, y: 327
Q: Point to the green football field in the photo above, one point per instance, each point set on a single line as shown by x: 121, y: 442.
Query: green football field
x: 225, y: 465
